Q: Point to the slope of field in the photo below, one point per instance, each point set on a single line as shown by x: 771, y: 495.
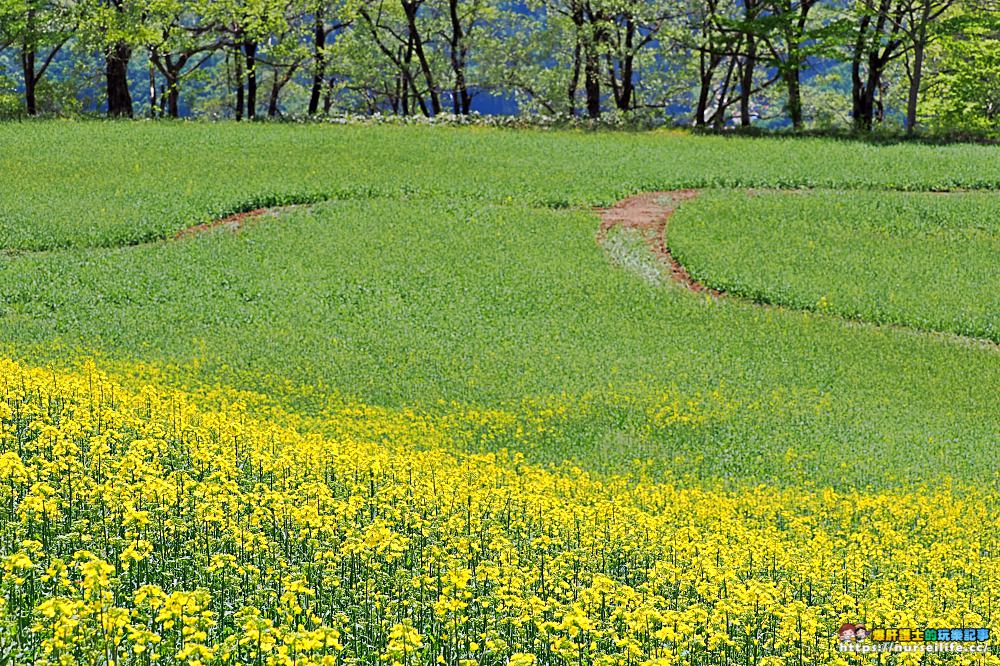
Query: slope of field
x: 928, y: 261
x: 407, y: 302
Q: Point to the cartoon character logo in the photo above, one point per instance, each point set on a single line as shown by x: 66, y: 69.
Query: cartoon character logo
x: 852, y: 632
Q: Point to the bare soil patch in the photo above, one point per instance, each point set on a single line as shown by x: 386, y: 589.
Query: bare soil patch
x: 231, y: 223
x: 649, y: 214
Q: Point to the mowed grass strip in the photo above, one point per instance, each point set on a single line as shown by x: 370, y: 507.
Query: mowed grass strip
x: 924, y: 260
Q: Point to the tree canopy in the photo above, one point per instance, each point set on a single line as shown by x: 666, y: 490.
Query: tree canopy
x: 711, y: 63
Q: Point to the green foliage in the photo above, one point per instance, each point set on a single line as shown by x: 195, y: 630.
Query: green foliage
x: 965, y: 91
x: 10, y: 102
x: 715, y: 63
x: 102, y: 23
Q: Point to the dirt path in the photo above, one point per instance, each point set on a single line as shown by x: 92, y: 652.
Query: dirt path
x: 649, y: 214
x: 232, y: 222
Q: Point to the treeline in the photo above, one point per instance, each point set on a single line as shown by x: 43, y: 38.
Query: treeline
x: 709, y: 63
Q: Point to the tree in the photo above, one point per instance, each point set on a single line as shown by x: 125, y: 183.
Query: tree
x: 284, y: 53
x: 115, y: 28
x: 325, y: 23
x: 243, y: 26
x: 790, y: 38
x: 748, y: 64
x: 39, y: 29
x: 180, y: 44
x: 119, y: 40
x: 918, y: 25
x: 633, y: 26
x: 712, y: 34
x: 608, y: 38
x: 464, y: 21
x: 963, y: 90
x: 395, y: 30
x: 877, y: 40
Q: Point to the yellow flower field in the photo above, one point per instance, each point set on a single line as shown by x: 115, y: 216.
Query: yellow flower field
x: 158, y: 526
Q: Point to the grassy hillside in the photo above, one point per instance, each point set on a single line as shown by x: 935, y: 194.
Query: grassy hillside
x: 448, y: 269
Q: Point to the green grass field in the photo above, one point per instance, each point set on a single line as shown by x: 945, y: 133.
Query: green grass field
x: 88, y: 184
x: 430, y: 415
x: 460, y: 265
x: 928, y: 261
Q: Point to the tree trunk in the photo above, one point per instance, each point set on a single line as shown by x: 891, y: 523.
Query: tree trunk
x: 707, y: 73
x: 871, y: 87
x: 410, y: 8
x: 857, y: 85
x: 28, y: 64
x: 272, y: 102
x: 171, y: 68
x: 239, y: 86
x: 863, y: 110
x: 173, y: 95
x: 30, y: 80
x: 30, y: 97
x: 117, y: 58
x: 719, y: 117
x: 863, y: 92
x: 701, y: 109
x: 408, y: 83
x: 794, y: 97
x: 28, y: 67
x: 749, y: 64
x: 574, y: 79
x: 792, y: 76
x: 628, y: 85
x: 592, y: 80
x: 461, y: 101
x: 328, y: 97
x: 276, y: 87
x: 319, y: 63
x: 152, y: 86
x: 746, y: 80
x: 250, y: 50
x: 915, y: 76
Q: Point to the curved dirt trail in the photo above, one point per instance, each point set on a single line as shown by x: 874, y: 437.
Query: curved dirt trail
x: 649, y: 214
x: 232, y: 222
